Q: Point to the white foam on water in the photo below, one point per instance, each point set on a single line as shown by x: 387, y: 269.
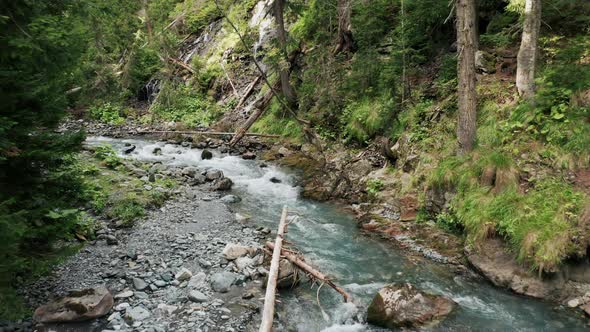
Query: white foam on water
x: 346, y: 328
x: 246, y: 174
x: 365, y: 288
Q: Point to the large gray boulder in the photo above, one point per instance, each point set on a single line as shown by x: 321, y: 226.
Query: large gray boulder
x: 77, y: 306
x: 403, y: 305
x: 222, y: 281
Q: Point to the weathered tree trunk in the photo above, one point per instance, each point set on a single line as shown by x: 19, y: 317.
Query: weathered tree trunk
x: 148, y: 23
x: 248, y: 92
x: 271, y: 286
x: 260, y: 106
x: 284, y: 71
x: 310, y: 270
x: 527, y: 54
x: 345, y: 39
x: 467, y: 99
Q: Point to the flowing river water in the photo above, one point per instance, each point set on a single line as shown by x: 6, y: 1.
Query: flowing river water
x: 328, y: 237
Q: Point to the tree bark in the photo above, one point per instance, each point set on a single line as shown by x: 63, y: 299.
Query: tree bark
x: 260, y: 106
x: 527, y: 54
x: 467, y: 98
x: 271, y: 286
x: 284, y: 71
x: 148, y: 23
x: 345, y: 39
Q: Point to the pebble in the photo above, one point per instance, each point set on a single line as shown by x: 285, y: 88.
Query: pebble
x: 139, y: 284
x: 124, y: 295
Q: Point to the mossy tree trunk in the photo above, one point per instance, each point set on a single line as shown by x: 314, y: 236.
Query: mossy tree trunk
x: 284, y: 72
x: 528, y: 53
x: 467, y: 99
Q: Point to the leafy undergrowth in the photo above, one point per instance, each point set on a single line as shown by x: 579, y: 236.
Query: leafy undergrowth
x: 113, y: 192
x: 517, y: 182
x: 541, y: 220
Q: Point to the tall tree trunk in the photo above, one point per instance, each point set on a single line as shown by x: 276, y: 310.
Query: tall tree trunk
x: 345, y: 40
x: 148, y: 23
x: 467, y: 46
x: 527, y: 55
x: 284, y: 72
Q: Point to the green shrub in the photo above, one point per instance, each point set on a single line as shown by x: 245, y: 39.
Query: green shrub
x: 107, y: 154
x: 183, y: 104
x: 366, y: 118
x: 108, y: 113
x: 127, y: 209
x: 374, y: 186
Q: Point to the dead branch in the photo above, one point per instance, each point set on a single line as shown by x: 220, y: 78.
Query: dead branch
x: 248, y: 92
x: 205, y: 133
x: 311, y: 271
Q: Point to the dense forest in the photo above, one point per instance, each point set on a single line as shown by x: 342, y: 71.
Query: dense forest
x: 483, y: 103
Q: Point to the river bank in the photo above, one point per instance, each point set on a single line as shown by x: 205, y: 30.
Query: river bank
x: 327, y: 235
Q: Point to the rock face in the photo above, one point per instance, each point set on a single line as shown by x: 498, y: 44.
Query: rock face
x: 77, y: 306
x: 493, y: 260
x: 402, y: 305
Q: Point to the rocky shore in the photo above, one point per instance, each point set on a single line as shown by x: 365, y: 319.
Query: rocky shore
x: 172, y: 272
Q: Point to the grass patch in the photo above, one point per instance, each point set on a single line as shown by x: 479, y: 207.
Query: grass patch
x: 277, y: 122
x: 115, y: 193
x: 539, y: 224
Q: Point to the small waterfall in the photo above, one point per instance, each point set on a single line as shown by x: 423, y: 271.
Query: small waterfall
x: 150, y: 91
x: 263, y: 20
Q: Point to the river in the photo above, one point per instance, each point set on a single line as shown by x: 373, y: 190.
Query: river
x: 328, y: 237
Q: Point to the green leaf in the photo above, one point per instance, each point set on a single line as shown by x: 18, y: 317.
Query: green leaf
x: 558, y: 116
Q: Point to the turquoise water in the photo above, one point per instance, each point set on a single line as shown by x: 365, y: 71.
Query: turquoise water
x: 328, y: 237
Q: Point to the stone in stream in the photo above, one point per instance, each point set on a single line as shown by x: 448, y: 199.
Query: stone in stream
x: 230, y: 199
x: 128, y: 150
x: 275, y: 180
x: 223, y: 184
x: 402, y: 305
x: 212, y: 175
x: 157, y: 151
x: 222, y: 281
x: 77, y: 306
x: 197, y: 296
x: 249, y: 156
x: 206, y: 154
x: 139, y: 284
